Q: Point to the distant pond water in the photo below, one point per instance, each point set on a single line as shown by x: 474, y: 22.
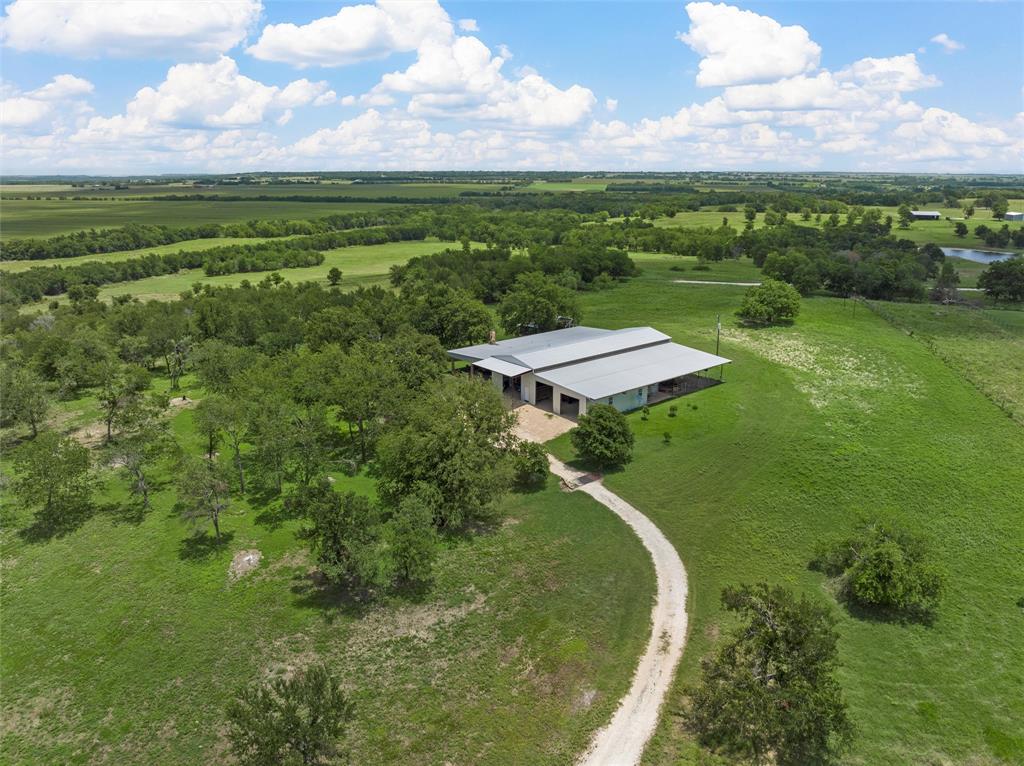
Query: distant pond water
x: 978, y: 256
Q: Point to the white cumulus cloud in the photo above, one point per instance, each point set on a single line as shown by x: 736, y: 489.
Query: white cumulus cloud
x: 468, y: 25
x: 895, y: 74
x: 127, y: 28
x: 740, y: 46
x: 204, y: 96
x: 355, y: 33
x: 948, y: 43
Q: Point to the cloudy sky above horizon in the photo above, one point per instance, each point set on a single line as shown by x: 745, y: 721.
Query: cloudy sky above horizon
x: 133, y: 86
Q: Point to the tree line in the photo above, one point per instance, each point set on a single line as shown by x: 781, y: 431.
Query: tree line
x: 134, y: 236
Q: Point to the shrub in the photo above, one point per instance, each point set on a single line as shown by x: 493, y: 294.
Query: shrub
x: 645, y: 412
x: 769, y: 694
x: 530, y: 464
x: 884, y: 567
x: 673, y: 410
x: 603, y: 436
x: 771, y: 302
x: 666, y: 438
x: 284, y: 721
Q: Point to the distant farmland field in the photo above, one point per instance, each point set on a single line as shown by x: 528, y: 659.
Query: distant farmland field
x: 45, y: 218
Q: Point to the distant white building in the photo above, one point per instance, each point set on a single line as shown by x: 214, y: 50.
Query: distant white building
x: 1013, y: 215
x: 926, y: 215
x: 568, y: 370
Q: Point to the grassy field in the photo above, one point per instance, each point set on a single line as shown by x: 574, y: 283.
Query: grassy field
x: 45, y: 218
x: 839, y: 417
x: 940, y: 232
x: 361, y: 266
x: 985, y: 346
x: 581, y: 184
x: 124, y: 639
x: 190, y: 244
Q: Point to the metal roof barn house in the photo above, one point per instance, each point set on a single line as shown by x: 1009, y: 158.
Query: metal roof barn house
x: 571, y: 369
x: 926, y: 215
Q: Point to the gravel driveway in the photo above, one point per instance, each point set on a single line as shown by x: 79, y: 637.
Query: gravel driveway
x: 621, y: 742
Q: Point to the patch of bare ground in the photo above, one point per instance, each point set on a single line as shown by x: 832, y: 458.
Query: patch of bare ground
x: 421, y: 621
x: 289, y: 655
x: 91, y: 435
x: 22, y: 719
x: 243, y: 563
x: 584, y: 700
x: 297, y: 558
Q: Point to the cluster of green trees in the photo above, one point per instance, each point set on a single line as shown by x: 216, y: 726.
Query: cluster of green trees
x: 855, y: 257
x: 489, y: 274
x: 1001, y: 237
x: 41, y: 281
x: 300, y: 380
x: 1004, y: 280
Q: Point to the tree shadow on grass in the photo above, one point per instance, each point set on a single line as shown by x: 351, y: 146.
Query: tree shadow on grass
x: 875, y: 614
x: 45, y: 527
x: 884, y: 615
x: 273, y: 516
x: 314, y: 591
x: 202, y: 546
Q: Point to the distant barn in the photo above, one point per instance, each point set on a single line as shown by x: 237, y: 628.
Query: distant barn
x: 926, y: 215
x: 1013, y: 215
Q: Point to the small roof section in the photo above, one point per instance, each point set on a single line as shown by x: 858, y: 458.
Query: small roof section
x: 508, y: 369
x: 527, y: 343
x: 606, y: 376
x: 611, y: 344
x: 925, y: 212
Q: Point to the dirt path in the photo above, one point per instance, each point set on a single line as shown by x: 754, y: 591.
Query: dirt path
x: 621, y: 742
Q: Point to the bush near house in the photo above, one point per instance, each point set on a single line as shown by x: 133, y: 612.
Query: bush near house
x: 603, y: 437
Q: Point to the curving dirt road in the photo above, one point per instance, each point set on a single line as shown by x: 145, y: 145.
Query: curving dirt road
x: 621, y: 742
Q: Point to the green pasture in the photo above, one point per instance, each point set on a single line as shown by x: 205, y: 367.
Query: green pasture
x: 44, y: 218
x: 361, y: 266
x: 922, y: 232
x: 839, y: 417
x: 580, y: 184
x: 326, y: 189
x: 124, y: 639
x: 123, y: 255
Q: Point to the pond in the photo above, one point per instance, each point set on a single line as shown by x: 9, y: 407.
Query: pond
x: 978, y: 256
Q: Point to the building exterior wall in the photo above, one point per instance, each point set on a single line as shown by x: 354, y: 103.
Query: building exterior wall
x: 633, y: 399
x: 528, y: 388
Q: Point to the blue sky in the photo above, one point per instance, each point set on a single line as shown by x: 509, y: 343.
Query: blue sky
x: 177, y: 86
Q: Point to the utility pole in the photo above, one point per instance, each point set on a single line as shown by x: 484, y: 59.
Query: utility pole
x: 718, y: 332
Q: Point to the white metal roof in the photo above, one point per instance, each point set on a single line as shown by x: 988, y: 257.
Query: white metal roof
x: 925, y: 212
x: 507, y: 369
x: 528, y: 343
x: 570, y: 353
x: 606, y: 376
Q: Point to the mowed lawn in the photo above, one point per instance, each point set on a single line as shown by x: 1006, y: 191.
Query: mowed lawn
x: 46, y: 218
x: 839, y: 417
x: 123, y: 642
